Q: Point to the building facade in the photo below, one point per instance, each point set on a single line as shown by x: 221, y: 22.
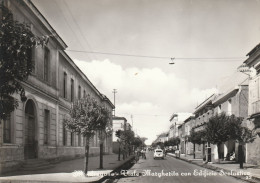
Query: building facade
x: 119, y: 123
x: 253, y: 149
x: 188, y: 125
x: 202, y: 114
x: 35, y: 129
x: 232, y: 102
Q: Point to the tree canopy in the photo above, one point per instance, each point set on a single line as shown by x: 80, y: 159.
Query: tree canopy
x: 16, y: 63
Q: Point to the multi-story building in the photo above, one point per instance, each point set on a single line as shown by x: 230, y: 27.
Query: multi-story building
x: 35, y: 130
x: 128, y: 126
x: 189, y: 123
x: 181, y: 135
x: 232, y: 102
x: 119, y: 123
x: 253, y: 62
x: 202, y: 114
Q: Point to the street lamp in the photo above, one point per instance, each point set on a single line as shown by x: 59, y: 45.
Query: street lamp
x: 172, y: 61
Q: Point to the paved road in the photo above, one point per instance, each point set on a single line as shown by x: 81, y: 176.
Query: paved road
x: 171, y: 170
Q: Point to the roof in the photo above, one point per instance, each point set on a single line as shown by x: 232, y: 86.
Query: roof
x: 189, y: 118
x: 225, y: 96
x: 253, y: 50
x: 205, y: 102
x: 44, y: 22
x: 173, y: 116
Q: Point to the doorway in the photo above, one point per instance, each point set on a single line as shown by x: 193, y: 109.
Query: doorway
x: 30, y: 145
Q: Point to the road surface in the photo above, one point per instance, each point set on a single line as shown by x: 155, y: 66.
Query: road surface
x: 171, y: 170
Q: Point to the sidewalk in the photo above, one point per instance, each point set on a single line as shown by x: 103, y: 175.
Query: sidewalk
x: 229, y: 168
x: 68, y: 171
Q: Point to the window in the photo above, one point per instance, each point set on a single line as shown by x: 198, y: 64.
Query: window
x: 46, y: 125
x: 33, y: 59
x: 64, y: 136
x: 79, y: 92
x: 65, y: 85
x: 79, y: 140
x: 199, y: 147
x: 46, y: 64
x: 84, y: 93
x: 72, y: 139
x: 72, y: 90
x: 84, y: 141
x: 7, y: 130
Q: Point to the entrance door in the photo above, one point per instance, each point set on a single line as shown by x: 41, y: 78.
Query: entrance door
x: 30, y: 146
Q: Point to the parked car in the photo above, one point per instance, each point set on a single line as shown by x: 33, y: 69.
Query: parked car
x: 158, y: 153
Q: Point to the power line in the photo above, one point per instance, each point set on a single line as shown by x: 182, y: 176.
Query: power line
x: 155, y: 115
x: 114, y: 91
x: 219, y: 59
x: 69, y: 25
x: 80, y: 31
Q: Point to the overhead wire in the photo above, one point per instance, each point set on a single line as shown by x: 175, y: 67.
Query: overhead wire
x: 69, y: 25
x: 79, y: 28
x: 199, y: 59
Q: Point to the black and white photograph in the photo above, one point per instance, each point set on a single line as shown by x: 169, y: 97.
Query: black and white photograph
x: 122, y: 91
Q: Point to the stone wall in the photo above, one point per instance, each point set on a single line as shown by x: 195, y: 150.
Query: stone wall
x: 11, y: 158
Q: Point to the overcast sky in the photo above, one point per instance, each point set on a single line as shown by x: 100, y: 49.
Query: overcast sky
x: 149, y: 88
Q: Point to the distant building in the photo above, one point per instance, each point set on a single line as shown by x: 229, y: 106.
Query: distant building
x: 163, y: 137
x: 202, y: 114
x: 189, y: 123
x: 119, y: 123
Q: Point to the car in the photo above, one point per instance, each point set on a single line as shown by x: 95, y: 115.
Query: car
x: 158, y: 153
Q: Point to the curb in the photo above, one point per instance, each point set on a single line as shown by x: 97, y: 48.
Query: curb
x: 217, y: 169
x: 120, y: 166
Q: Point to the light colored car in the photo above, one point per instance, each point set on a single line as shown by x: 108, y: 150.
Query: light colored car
x: 158, y: 153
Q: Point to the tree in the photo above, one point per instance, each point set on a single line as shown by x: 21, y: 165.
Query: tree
x: 143, y: 141
x: 85, y: 118
x: 125, y: 139
x: 104, y: 128
x: 16, y: 64
x: 160, y: 144
x: 129, y: 136
x: 222, y: 128
x: 137, y: 142
x: 196, y: 138
x: 218, y: 130
x: 177, y: 141
x: 119, y: 135
x: 242, y: 135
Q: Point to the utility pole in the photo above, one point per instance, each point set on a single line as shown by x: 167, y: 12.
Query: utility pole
x: 114, y: 91
x: 132, y: 121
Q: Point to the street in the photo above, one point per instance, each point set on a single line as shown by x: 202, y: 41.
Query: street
x: 170, y: 170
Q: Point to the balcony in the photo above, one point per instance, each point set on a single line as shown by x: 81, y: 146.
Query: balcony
x: 203, y: 118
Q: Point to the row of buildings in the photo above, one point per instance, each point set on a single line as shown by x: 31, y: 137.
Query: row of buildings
x: 241, y: 99
x: 35, y: 130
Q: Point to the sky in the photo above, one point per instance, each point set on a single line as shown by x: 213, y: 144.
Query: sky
x: 208, y: 40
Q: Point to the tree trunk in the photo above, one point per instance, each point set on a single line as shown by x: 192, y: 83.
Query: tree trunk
x: 218, y: 145
x: 124, y: 153
x: 101, y: 156
x: 86, y: 157
x: 194, y: 155
x: 240, y: 156
x: 119, y: 151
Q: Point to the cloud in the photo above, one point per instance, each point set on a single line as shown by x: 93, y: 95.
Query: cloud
x: 149, y: 95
